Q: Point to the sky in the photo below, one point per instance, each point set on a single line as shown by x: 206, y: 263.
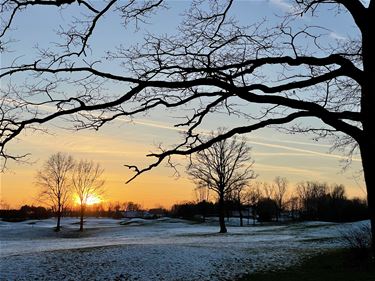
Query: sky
x: 295, y: 157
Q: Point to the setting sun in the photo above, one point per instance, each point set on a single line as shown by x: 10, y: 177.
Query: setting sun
x: 91, y: 199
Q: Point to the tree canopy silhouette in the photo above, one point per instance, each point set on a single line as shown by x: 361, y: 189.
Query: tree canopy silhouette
x: 224, y: 167
x: 87, y: 182
x: 55, y: 183
x: 214, y: 61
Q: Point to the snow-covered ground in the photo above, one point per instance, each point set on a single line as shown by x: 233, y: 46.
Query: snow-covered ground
x: 164, y: 249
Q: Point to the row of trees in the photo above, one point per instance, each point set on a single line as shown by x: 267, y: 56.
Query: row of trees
x: 264, y: 202
x: 308, y: 201
x: 101, y: 209
x: 61, y: 178
x: 226, y: 169
x: 25, y: 212
x: 318, y: 201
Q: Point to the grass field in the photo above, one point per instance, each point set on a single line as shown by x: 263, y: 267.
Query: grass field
x: 171, y: 249
x: 337, y: 265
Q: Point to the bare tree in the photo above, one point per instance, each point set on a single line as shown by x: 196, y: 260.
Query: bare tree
x: 202, y: 197
x: 54, y: 179
x: 239, y: 197
x: 338, y: 192
x: 201, y: 193
x: 223, y: 167
x: 87, y: 182
x: 281, y: 185
x: 131, y: 206
x: 214, y: 61
x: 269, y: 190
x: 311, y: 194
x: 4, y: 205
x: 293, y: 205
x: 253, y: 195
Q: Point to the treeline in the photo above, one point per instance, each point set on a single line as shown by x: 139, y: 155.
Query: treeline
x: 106, y: 210
x: 26, y: 212
x: 329, y: 203
x: 261, y: 202
x: 266, y: 202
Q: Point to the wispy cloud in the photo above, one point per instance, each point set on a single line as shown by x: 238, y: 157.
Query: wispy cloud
x: 151, y: 124
x: 291, y: 141
x: 283, y: 5
x: 261, y: 141
x: 312, y: 152
x: 289, y: 154
x: 287, y: 169
x: 338, y: 36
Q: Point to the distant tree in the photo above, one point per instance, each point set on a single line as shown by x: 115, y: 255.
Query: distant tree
x: 338, y: 192
x: 320, y: 201
x: 266, y: 209
x: 190, y: 210
x: 98, y: 210
x: 311, y: 195
x: 34, y: 212
x: 116, y: 214
x: 268, y: 190
x: 87, y: 182
x: 293, y: 205
x: 131, y: 206
x: 4, y: 205
x: 253, y: 195
x: 158, y: 212
x: 223, y: 167
x: 201, y: 193
x: 54, y: 179
x: 239, y: 197
x: 281, y: 185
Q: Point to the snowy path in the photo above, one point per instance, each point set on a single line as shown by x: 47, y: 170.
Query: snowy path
x: 154, y: 250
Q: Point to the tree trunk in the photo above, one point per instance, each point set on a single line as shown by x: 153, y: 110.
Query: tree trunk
x: 223, y: 229
x: 254, y: 213
x: 367, y: 142
x: 368, y: 154
x: 58, y: 227
x: 81, y: 217
x: 204, y: 210
x: 277, y: 213
x: 240, y: 213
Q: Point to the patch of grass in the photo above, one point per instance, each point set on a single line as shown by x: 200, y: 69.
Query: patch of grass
x: 14, y: 219
x: 310, y: 226
x: 323, y: 239
x: 334, y: 265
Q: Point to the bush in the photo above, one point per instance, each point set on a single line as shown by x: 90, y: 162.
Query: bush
x: 266, y: 210
x: 358, y: 240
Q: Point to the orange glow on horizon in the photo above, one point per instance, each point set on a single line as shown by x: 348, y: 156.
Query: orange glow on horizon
x: 91, y: 200
x: 157, y: 188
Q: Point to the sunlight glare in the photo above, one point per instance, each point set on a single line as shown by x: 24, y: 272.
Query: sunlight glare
x: 91, y: 199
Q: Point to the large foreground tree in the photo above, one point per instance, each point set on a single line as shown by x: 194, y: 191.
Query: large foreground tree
x: 215, y: 61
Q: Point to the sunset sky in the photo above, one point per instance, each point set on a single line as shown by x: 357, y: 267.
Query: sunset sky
x: 295, y: 157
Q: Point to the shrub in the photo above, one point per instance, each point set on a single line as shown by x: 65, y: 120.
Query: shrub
x: 358, y: 240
